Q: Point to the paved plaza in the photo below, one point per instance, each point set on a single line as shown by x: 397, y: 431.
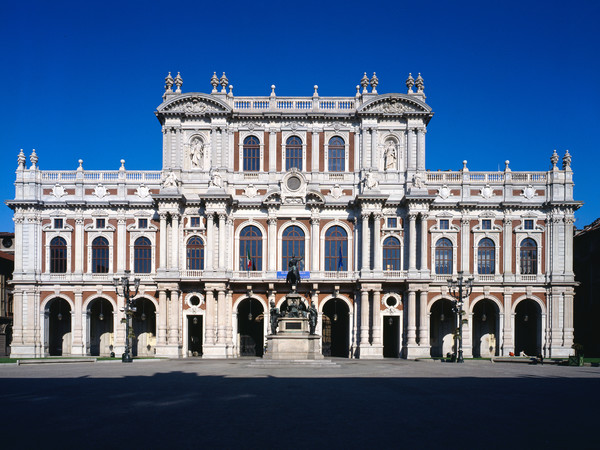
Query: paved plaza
x: 360, y: 404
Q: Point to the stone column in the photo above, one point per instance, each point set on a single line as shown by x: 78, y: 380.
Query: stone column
x: 162, y: 251
x: 424, y: 238
x: 273, y: 151
x: 568, y: 245
x: 121, y: 245
x: 411, y: 329
x: 314, y: 240
x: 222, y: 311
x: 229, y: 252
x: 174, y: 318
x: 364, y: 318
x: 210, y: 317
x: 377, y: 319
x: 568, y: 320
x: 410, y: 145
x: 374, y: 150
x: 507, y: 330
x: 378, y: 263
x: 79, y: 250
x: 315, y: 151
x: 507, y: 249
x: 272, y: 244
x: 161, y: 339
x: 209, y: 241
x: 421, y: 148
x: 464, y: 245
x: 229, y: 322
x: 423, y: 320
x: 77, y: 347
x: 222, y: 247
x: 175, y: 241
x: 365, y: 240
x: 412, y: 243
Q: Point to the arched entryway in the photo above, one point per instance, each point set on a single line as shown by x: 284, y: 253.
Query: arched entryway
x: 335, y: 328
x: 195, y: 334
x: 100, y: 327
x: 528, y: 326
x: 442, y: 322
x: 392, y: 327
x: 144, y: 328
x: 58, y: 316
x: 486, y: 323
x: 250, y: 318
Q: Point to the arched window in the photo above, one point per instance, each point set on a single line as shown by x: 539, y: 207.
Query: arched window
x: 58, y: 255
x: 336, y: 249
x: 292, y: 245
x: 293, y: 153
x: 486, y: 257
x: 528, y: 257
x: 337, y: 154
x: 251, y: 249
x: 443, y: 257
x: 251, y: 154
x: 391, y: 254
x: 195, y: 254
x: 142, y: 255
x: 100, y: 255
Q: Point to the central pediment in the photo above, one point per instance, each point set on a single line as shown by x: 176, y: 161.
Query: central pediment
x: 193, y: 103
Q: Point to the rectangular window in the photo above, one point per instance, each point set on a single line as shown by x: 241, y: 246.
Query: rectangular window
x: 486, y: 224
x: 195, y: 222
x: 528, y: 224
x: 392, y: 222
x: 143, y: 223
x: 58, y: 224
x: 444, y: 224
x: 100, y: 223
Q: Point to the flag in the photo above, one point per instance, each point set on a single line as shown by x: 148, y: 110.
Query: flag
x: 340, y: 259
x: 248, y: 257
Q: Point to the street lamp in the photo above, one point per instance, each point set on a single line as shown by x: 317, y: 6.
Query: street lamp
x: 129, y: 309
x: 459, y: 289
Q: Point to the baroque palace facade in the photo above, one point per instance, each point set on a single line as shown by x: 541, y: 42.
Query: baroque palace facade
x: 249, y: 182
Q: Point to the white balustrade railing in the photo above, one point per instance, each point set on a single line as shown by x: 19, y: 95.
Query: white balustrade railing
x: 191, y: 273
x: 485, y: 177
x: 395, y: 274
x: 331, y: 104
x: 96, y: 176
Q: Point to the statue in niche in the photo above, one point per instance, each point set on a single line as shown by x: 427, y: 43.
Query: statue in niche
x: 197, y: 152
x: 390, y: 155
x: 215, y: 180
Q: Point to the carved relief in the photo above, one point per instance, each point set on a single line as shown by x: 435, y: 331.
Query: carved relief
x: 58, y: 191
x: 487, y: 192
x: 390, y: 155
x: 528, y: 192
x: 250, y: 191
x: 100, y: 191
x: 336, y: 192
x: 445, y: 192
x: 142, y: 191
x: 197, y: 152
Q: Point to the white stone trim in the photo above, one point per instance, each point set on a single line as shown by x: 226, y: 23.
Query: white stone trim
x: 307, y: 242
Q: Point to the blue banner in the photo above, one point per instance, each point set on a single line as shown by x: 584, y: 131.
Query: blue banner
x: 282, y: 275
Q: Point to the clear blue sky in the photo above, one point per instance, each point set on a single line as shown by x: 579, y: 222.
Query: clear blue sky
x: 506, y: 80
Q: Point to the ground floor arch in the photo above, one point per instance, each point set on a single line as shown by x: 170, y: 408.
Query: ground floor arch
x: 57, y: 316
x: 335, y: 329
x: 250, y: 327
x: 195, y: 334
x: 100, y: 327
x: 528, y: 328
x: 144, y: 328
x: 485, y: 325
x: 442, y: 325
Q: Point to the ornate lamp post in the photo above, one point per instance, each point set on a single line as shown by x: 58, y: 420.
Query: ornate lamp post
x: 459, y: 289
x: 129, y: 309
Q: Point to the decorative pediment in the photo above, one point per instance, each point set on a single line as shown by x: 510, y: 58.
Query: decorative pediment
x: 394, y: 104
x: 194, y: 103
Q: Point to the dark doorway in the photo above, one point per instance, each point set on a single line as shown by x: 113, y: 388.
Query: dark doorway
x: 194, y: 335
x: 101, y: 323
x: 250, y: 327
x: 528, y: 325
x: 336, y: 326
x: 59, y: 327
x: 442, y: 323
x: 485, y: 329
x: 144, y: 328
x: 391, y: 336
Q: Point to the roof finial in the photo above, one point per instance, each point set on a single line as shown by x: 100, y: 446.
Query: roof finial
x: 374, y: 83
x: 215, y: 82
x: 567, y: 160
x: 410, y: 82
x: 364, y: 82
x: 554, y: 159
x: 178, y: 83
x: 21, y: 160
x: 34, y: 159
x: 273, y: 90
x: 224, y: 82
x: 357, y: 90
x: 419, y: 84
x: 316, y: 93
x: 169, y: 83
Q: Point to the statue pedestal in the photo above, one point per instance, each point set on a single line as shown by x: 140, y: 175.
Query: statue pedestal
x: 293, y: 341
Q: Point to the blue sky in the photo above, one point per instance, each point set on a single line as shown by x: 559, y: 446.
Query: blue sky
x: 506, y: 80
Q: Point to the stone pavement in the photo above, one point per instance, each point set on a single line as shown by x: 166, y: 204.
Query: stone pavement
x: 362, y: 404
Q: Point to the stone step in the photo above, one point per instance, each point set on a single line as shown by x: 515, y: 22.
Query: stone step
x: 275, y: 363
x: 21, y: 362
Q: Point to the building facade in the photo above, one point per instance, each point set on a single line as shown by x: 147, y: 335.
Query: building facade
x: 249, y: 182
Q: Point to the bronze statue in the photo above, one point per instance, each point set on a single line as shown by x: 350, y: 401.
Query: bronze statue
x: 293, y: 276
x: 274, y: 316
x: 312, y: 317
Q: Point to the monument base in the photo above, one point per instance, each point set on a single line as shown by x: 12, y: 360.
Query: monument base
x: 293, y: 341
